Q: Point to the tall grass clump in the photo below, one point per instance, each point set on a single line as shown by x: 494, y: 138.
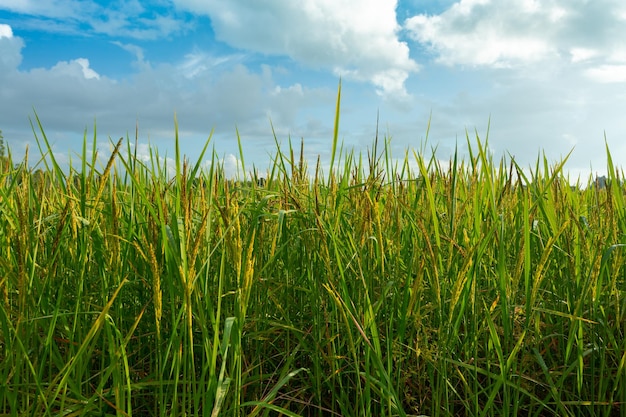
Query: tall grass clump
x: 384, y: 287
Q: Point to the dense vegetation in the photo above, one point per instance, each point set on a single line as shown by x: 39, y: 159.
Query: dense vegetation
x: 374, y: 290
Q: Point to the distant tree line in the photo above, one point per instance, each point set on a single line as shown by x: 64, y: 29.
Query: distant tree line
x: 4, y: 160
x: 2, y: 148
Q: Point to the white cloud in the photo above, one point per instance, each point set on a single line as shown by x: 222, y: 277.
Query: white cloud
x: 231, y: 165
x: 206, y: 92
x: 608, y: 73
x: 148, y: 154
x: 140, y: 62
x: 5, y: 31
x: 77, y: 68
x: 199, y: 62
x: 10, y: 53
x: 479, y: 32
x: 294, y: 89
x: 125, y: 18
x: 88, y: 73
x: 354, y: 38
x: 48, y: 8
x: 582, y: 54
x: 553, y: 114
x: 553, y: 88
x: 519, y: 32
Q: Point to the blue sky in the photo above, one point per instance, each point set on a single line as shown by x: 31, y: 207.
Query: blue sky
x: 550, y: 75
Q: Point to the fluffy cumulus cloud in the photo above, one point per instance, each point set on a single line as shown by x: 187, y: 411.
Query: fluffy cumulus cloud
x: 77, y: 68
x: 70, y: 93
x: 357, y: 39
x: 10, y: 50
x: 546, y: 71
x: 522, y: 32
x: 207, y: 93
x: 6, y: 31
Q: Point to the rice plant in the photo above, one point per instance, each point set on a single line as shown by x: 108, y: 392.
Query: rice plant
x: 384, y: 287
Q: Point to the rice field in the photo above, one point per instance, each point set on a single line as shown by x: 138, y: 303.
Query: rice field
x: 472, y: 288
